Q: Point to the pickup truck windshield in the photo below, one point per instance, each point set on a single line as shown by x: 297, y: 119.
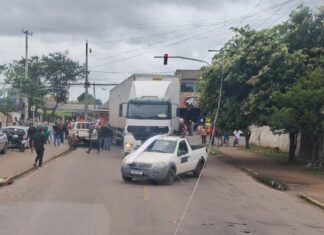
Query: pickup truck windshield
x: 148, y: 111
x: 162, y: 146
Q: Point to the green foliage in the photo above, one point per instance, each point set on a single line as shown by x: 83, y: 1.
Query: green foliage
x: 51, y: 75
x: 59, y: 72
x: 81, y: 98
x: 5, y: 106
x: 271, y: 77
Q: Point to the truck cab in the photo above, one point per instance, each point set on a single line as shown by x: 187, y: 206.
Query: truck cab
x: 146, y: 118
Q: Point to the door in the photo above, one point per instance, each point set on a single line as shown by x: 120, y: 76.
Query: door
x: 183, y: 157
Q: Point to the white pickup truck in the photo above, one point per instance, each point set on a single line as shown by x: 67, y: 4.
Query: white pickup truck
x: 81, y: 130
x: 161, y: 158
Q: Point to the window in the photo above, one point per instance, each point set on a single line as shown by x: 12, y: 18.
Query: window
x: 120, y: 110
x: 188, y: 86
x: 183, y: 149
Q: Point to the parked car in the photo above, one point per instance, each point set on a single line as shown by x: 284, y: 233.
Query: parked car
x: 3, y: 142
x: 21, y: 131
x: 161, y: 158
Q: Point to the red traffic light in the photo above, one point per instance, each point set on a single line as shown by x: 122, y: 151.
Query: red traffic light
x: 165, y: 57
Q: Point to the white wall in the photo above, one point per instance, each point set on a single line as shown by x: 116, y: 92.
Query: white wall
x: 263, y: 136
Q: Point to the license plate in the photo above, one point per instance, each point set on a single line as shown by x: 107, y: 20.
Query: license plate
x: 136, y: 172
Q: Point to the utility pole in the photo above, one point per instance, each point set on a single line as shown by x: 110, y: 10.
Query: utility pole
x: 94, y: 96
x: 86, y: 85
x: 27, y: 33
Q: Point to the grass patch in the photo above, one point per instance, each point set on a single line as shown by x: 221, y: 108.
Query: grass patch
x: 268, y: 152
x: 215, y: 152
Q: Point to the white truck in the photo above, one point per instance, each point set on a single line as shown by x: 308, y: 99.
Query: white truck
x: 142, y: 106
x: 161, y: 158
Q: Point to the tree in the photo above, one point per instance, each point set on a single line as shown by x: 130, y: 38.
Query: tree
x: 301, y: 108
x: 32, y: 87
x: 59, y: 72
x: 81, y: 98
x: 264, y: 74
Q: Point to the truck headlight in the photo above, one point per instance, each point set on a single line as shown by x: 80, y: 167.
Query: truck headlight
x: 159, y: 165
x: 129, y: 145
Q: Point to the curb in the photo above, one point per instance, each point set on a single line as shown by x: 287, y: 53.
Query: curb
x: 6, y: 181
x: 273, y: 183
x: 311, y: 200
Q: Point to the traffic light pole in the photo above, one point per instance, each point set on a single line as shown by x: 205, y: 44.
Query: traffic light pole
x: 184, y: 58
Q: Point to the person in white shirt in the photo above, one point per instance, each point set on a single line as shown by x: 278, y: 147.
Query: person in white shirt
x: 94, y: 140
x: 237, y: 134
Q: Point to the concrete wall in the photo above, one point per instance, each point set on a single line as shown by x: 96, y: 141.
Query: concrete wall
x: 263, y: 136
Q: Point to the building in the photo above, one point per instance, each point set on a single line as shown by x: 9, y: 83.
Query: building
x: 189, y: 97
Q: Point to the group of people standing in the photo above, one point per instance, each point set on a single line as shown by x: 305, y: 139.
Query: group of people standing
x: 100, y: 137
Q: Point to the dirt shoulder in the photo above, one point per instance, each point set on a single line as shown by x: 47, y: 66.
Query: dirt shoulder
x: 299, y: 179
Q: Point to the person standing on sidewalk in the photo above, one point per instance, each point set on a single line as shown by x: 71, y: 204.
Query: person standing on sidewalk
x: 94, y: 140
x: 56, y: 133
x: 107, y: 134
x: 30, y: 134
x: 38, y: 143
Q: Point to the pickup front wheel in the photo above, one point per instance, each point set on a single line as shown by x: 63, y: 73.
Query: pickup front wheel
x: 127, y: 179
x: 170, y: 177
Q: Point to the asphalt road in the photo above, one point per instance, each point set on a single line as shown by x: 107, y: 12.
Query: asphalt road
x: 84, y: 194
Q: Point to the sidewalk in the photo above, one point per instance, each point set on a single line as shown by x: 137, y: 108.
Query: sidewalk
x: 15, y: 163
x: 300, y: 181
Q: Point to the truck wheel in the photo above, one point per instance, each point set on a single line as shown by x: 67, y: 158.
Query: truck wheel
x: 127, y: 179
x: 198, y: 169
x: 170, y: 177
x: 22, y: 148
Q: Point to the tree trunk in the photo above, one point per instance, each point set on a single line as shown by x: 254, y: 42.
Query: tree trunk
x: 315, y: 151
x: 247, y: 139
x: 292, y: 146
x: 54, y: 110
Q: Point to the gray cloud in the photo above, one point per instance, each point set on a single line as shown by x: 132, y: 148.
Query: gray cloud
x: 125, y: 35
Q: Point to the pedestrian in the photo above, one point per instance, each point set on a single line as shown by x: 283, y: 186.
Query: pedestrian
x: 101, y: 137
x: 108, y: 134
x: 237, y: 134
x: 201, y: 120
x: 212, y: 135
x: 191, y: 127
x: 225, y: 141
x: 56, y: 133
x: 46, y: 133
x: 30, y: 134
x: 38, y: 143
x: 94, y: 140
x: 202, y: 132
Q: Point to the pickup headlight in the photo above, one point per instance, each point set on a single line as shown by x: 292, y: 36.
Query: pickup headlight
x: 159, y: 165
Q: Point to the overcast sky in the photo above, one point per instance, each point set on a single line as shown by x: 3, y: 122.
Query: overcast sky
x: 125, y: 35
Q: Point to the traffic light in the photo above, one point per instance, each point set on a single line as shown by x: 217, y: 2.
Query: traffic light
x: 165, y: 57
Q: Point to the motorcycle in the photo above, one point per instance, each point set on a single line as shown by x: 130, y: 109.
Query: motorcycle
x: 16, y: 142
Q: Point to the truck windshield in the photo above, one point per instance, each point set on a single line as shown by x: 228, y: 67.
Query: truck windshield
x: 148, y: 111
x: 162, y: 146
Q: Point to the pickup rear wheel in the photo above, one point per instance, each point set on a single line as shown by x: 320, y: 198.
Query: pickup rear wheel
x: 170, y: 177
x: 198, y: 169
